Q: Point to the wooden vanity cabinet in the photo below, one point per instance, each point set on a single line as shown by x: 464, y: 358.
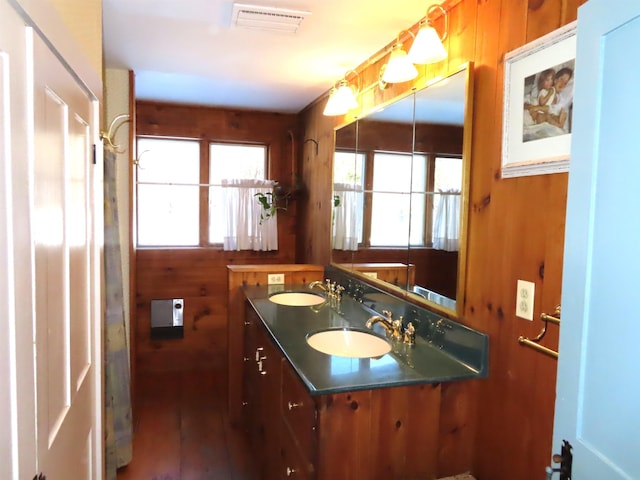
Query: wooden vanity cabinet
x: 367, y: 434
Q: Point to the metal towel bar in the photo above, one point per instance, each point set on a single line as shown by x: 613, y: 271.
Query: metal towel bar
x: 533, y: 342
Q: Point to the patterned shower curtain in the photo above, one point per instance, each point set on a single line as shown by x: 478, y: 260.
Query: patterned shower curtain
x: 118, y: 425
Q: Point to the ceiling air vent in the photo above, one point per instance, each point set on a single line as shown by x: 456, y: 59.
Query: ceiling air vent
x: 274, y: 19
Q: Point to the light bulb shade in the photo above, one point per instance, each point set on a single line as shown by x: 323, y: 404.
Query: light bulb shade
x: 399, y: 68
x: 427, y: 48
x: 345, y: 96
x: 332, y: 108
x: 341, y: 100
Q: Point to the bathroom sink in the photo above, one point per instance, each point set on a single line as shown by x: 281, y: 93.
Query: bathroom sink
x: 345, y: 342
x: 297, y: 299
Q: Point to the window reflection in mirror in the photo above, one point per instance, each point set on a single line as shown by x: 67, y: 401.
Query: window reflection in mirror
x: 399, y: 200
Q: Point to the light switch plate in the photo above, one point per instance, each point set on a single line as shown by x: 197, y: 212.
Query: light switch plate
x: 524, y: 299
x: 275, y: 279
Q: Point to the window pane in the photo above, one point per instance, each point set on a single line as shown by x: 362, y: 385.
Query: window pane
x: 348, y: 168
x: 448, y: 173
x: 168, y: 214
x: 418, y: 200
x: 236, y: 161
x: 391, y: 173
x: 448, y: 176
x: 230, y: 162
x: 389, y: 219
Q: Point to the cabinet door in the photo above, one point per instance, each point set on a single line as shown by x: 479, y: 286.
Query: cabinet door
x: 298, y: 412
x: 293, y: 464
x: 262, y: 396
x: 249, y: 395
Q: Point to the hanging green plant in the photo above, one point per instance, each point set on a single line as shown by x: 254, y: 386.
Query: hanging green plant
x: 272, y: 201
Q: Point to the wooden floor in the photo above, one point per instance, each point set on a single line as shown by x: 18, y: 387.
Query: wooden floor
x: 182, y: 432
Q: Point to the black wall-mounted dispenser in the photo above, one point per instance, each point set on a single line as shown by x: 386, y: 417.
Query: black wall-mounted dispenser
x: 167, y: 319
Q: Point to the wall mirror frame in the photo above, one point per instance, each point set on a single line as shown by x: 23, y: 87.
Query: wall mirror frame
x: 425, y: 128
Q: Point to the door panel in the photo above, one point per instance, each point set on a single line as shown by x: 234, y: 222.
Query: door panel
x: 598, y: 387
x: 50, y: 262
x: 78, y: 233
x: 62, y: 239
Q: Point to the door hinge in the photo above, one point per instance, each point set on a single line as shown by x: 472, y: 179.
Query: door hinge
x: 565, y: 459
x: 40, y: 477
x: 94, y: 154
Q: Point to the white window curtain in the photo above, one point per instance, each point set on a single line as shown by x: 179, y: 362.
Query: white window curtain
x: 446, y: 229
x: 347, y: 216
x: 243, y: 227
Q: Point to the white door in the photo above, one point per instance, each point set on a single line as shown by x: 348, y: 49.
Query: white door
x: 66, y: 287
x: 50, y: 261
x: 598, y: 386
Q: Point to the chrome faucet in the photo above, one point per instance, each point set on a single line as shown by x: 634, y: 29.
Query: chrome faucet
x: 393, y: 328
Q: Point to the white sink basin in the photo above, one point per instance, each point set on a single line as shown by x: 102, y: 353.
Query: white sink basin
x: 297, y: 299
x: 349, y: 343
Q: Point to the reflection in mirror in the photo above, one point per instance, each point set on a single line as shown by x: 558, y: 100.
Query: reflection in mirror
x: 399, y: 193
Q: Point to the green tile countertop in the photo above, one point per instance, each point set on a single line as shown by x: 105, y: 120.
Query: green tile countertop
x: 289, y: 327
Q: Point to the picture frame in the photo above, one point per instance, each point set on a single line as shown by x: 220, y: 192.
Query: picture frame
x: 538, y: 105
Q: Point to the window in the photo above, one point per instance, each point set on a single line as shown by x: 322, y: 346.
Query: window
x: 168, y: 193
x: 389, y: 199
x: 405, y: 191
x: 227, y: 162
x: 172, y: 208
x: 348, y: 191
x: 448, y: 176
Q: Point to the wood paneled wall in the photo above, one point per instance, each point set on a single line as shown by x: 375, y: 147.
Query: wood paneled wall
x: 516, y: 231
x: 199, y: 275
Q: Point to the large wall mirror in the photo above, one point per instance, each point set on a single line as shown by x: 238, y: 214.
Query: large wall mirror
x: 400, y: 193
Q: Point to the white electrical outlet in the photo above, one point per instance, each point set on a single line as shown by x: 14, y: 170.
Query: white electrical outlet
x: 275, y: 279
x: 524, y: 299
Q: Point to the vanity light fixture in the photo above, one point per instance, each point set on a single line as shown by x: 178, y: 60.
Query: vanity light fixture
x: 399, y: 68
x: 427, y: 47
x: 342, y: 97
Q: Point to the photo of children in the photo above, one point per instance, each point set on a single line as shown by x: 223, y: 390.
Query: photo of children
x: 548, y: 102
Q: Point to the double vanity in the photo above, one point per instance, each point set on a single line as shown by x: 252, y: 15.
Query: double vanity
x: 327, y: 392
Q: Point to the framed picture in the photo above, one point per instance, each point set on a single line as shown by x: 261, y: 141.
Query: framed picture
x: 538, y: 105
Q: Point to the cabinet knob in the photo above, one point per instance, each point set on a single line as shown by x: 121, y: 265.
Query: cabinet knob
x: 258, y: 350
x: 293, y: 405
x: 291, y: 471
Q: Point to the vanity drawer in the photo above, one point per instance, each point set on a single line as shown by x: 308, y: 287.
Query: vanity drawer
x: 298, y: 411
